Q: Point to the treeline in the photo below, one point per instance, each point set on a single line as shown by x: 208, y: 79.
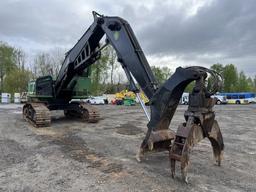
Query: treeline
x: 234, y: 80
x: 13, y: 73
x: 16, y: 71
x: 107, y: 74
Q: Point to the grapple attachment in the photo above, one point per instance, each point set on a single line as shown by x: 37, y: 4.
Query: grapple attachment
x: 163, y: 106
x: 188, y: 135
x: 200, y: 119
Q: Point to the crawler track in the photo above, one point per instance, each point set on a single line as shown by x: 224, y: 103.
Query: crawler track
x: 83, y: 111
x: 37, y: 114
x: 92, y: 112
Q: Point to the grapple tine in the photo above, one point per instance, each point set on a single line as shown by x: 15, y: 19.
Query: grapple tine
x: 187, y: 136
x: 216, y: 140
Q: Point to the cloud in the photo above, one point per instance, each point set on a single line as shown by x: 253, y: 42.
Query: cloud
x: 222, y: 31
x: 173, y: 33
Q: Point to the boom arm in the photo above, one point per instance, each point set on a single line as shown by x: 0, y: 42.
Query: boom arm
x: 86, y: 51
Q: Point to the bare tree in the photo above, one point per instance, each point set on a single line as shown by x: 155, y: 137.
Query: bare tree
x: 48, y: 63
x: 57, y: 58
x: 42, y: 63
x: 20, y: 58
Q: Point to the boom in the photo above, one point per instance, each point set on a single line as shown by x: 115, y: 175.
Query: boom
x: 86, y: 51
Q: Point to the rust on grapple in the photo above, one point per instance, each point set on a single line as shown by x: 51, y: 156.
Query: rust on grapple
x: 158, y: 141
x: 199, y: 123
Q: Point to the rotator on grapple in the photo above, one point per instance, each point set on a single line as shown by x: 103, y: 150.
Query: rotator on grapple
x: 164, y: 99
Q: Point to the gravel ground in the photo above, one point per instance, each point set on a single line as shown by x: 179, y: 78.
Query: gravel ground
x: 76, y: 156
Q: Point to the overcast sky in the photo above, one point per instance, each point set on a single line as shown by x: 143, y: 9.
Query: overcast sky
x: 172, y: 33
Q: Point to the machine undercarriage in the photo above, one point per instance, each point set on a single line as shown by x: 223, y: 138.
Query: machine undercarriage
x: 39, y: 115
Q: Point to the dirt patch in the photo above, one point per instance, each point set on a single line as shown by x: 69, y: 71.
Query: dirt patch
x: 75, y: 156
x: 128, y: 129
x: 76, y: 148
x: 11, y: 152
x: 45, y: 131
x: 113, y: 168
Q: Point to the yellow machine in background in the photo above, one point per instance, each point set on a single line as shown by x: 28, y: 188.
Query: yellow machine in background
x: 125, y: 93
x: 128, y: 98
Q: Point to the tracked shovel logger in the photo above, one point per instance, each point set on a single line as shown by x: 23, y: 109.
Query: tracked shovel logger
x: 199, y: 118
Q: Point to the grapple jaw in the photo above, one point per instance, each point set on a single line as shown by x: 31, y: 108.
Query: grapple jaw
x: 200, y: 119
x: 188, y: 135
x: 163, y: 106
x: 161, y: 140
x: 158, y: 141
x: 215, y: 137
